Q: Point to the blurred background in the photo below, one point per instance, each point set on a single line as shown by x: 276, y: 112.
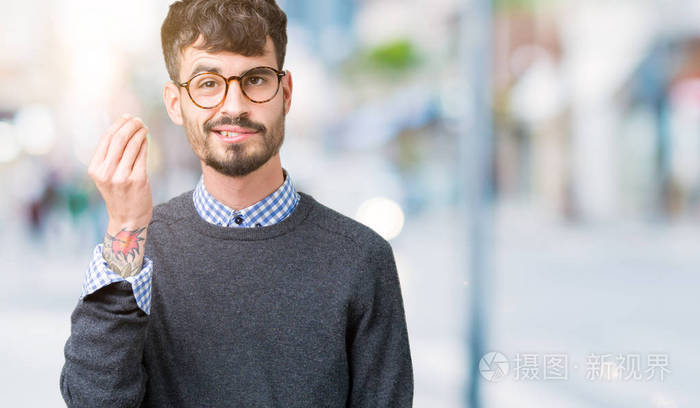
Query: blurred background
x: 535, y: 165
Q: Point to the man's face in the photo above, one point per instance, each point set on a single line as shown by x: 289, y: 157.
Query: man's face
x: 239, y: 136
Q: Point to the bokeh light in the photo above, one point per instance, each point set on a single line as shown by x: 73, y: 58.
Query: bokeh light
x: 382, y: 215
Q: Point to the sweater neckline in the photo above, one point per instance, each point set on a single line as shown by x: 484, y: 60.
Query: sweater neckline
x: 302, y: 210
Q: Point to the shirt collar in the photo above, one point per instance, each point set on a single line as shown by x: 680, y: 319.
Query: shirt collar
x: 270, y: 210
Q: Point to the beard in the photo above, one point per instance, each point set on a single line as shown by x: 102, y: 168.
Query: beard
x: 236, y: 159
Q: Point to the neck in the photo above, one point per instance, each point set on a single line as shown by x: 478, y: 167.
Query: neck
x: 241, y: 192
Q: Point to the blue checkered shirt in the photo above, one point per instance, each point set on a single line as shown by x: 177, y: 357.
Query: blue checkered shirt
x: 270, y: 210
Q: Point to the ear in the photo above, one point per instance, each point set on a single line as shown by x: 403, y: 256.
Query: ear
x: 171, y: 98
x: 287, y: 91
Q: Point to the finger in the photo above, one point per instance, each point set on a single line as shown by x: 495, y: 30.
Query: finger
x: 131, y: 151
x: 140, y: 164
x: 101, y: 151
x: 119, y: 141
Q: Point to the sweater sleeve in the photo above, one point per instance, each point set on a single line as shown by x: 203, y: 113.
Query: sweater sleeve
x: 104, y: 353
x: 380, y: 360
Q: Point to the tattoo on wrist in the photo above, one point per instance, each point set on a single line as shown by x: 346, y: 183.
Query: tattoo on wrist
x: 124, y: 252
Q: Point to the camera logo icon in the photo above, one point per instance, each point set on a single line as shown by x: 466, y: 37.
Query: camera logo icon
x: 494, y: 366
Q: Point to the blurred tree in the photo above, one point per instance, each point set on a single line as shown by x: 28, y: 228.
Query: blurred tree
x: 395, y: 55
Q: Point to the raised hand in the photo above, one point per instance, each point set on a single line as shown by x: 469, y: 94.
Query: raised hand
x: 118, y: 169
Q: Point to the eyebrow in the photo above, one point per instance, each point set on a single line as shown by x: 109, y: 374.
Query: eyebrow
x: 204, y: 68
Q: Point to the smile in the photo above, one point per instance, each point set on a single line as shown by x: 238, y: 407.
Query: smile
x: 233, y: 137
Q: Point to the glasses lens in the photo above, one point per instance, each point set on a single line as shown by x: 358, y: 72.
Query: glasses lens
x: 207, y: 90
x: 260, y: 84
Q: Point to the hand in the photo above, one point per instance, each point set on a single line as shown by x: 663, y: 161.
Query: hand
x: 118, y: 169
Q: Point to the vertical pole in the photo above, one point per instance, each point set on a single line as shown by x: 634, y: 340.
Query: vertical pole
x: 476, y: 161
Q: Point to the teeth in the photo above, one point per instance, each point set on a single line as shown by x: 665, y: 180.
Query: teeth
x: 229, y: 134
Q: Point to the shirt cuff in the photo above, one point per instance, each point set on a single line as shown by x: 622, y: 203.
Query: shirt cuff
x: 100, y: 275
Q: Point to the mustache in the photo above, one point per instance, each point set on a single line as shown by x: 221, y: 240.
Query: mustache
x: 241, y: 121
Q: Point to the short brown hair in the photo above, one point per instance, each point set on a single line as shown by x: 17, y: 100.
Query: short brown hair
x: 240, y: 26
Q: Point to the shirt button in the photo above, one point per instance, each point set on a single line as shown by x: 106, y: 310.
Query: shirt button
x: 238, y: 220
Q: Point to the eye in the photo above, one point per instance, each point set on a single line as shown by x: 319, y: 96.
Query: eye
x: 208, y: 84
x: 255, y: 80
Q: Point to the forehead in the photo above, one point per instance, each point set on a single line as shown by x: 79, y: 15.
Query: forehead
x: 192, y: 59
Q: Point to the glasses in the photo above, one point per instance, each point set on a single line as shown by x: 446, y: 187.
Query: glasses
x: 208, y: 90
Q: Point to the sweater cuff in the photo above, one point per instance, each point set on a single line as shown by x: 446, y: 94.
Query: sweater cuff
x: 100, y: 275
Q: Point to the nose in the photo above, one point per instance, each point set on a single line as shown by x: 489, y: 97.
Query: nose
x: 235, y: 103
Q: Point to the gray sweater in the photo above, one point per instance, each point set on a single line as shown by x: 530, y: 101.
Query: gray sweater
x: 303, y: 313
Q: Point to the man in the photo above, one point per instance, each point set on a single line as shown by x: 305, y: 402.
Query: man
x: 242, y: 292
